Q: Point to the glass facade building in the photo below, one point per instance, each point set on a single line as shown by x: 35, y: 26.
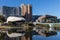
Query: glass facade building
x: 9, y: 11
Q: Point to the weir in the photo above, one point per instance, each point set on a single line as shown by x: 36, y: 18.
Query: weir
x: 51, y: 27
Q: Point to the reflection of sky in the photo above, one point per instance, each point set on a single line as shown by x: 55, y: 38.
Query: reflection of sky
x: 55, y: 37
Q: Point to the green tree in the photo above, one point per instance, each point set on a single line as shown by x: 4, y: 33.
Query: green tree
x: 2, y: 19
x: 10, y: 24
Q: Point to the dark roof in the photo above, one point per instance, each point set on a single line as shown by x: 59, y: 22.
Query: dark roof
x: 50, y: 16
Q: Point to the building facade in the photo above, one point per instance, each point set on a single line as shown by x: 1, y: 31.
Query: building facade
x: 26, y: 11
x: 9, y: 11
x: 47, y: 19
x: 17, y: 11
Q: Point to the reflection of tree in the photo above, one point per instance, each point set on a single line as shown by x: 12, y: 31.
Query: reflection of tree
x: 2, y: 36
x: 28, y: 31
x: 28, y: 34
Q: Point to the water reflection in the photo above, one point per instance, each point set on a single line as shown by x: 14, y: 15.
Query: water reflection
x: 51, y: 27
x: 39, y: 37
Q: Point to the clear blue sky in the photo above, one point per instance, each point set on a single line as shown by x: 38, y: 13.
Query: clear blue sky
x: 40, y: 7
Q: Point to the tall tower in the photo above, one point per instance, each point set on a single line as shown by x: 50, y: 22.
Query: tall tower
x: 29, y: 11
x: 23, y: 9
x: 26, y: 11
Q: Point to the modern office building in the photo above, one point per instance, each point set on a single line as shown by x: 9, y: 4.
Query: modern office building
x: 47, y: 19
x: 18, y: 11
x: 9, y: 11
x: 26, y: 11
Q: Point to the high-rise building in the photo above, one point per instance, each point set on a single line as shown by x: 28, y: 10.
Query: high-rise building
x: 9, y: 11
x: 26, y: 11
x: 17, y: 11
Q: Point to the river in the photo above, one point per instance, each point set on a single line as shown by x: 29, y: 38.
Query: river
x: 54, y: 37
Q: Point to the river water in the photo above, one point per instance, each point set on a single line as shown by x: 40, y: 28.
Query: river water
x: 39, y: 37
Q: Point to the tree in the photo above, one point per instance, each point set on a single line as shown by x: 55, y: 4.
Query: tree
x: 2, y: 19
x: 10, y: 23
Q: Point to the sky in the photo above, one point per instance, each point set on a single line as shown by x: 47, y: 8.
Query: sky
x: 39, y: 7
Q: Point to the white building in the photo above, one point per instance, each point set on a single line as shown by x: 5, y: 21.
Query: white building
x: 13, y: 19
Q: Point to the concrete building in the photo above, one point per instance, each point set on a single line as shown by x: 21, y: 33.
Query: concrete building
x: 9, y: 11
x: 47, y: 19
x: 14, y: 19
x: 26, y: 11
